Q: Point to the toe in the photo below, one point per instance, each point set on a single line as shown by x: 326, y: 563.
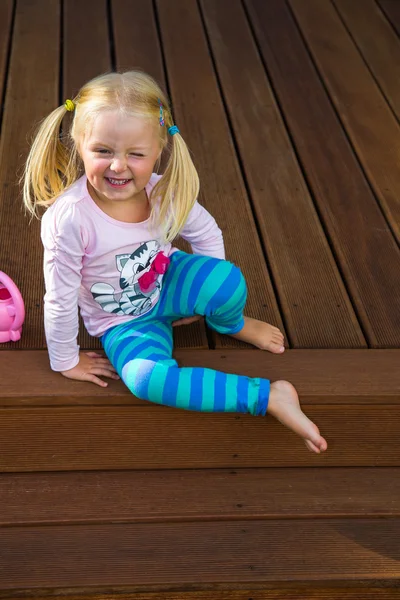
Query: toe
x: 317, y: 444
x: 323, y: 445
x: 275, y: 347
x: 312, y: 447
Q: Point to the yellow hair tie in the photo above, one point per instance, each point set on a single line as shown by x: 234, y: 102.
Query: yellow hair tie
x: 69, y: 105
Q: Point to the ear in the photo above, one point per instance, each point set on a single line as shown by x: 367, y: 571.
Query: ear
x: 121, y: 261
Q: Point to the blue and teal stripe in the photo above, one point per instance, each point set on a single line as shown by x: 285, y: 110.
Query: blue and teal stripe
x: 141, y: 349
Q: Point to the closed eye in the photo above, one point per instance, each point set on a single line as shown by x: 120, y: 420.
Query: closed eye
x: 104, y: 151
x: 138, y: 268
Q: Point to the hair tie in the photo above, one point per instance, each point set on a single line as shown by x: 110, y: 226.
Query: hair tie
x: 162, y: 122
x: 173, y: 130
x: 69, y: 105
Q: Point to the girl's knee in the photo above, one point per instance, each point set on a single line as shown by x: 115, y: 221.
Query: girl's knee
x: 232, y: 290
x: 238, y: 276
x: 145, y: 378
x: 135, y: 374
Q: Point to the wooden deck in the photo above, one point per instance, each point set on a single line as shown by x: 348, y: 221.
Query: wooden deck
x: 291, y: 109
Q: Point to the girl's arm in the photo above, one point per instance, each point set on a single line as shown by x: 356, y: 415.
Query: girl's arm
x: 63, y: 258
x: 203, y: 233
x: 64, y: 250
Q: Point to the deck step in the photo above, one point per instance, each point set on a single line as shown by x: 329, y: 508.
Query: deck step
x: 197, y: 495
x: 255, y: 593
x: 163, y: 531
x: 153, y: 437
x: 224, y: 554
x: 49, y: 423
x: 244, y: 593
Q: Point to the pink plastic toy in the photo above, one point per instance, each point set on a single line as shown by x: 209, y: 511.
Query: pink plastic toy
x: 12, y: 310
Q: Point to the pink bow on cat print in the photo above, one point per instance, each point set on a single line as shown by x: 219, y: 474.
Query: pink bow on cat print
x: 147, y: 281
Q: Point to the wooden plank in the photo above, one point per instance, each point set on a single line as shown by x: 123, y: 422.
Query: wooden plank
x: 377, y: 42
x: 137, y: 46
x: 29, y: 98
x: 6, y: 11
x: 314, y: 300
x: 200, y: 495
x: 150, y: 557
x: 154, y: 437
x: 255, y: 593
x: 370, y: 123
x: 369, y: 260
x: 392, y: 10
x: 320, y: 376
x: 200, y: 115
x: 292, y: 593
x: 86, y: 50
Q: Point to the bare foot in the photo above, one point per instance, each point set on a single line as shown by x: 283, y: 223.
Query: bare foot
x: 262, y: 335
x: 284, y: 405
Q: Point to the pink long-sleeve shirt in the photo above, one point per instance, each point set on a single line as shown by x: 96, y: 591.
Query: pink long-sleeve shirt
x: 95, y: 262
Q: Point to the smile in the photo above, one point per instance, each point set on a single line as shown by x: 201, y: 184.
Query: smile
x: 118, y: 182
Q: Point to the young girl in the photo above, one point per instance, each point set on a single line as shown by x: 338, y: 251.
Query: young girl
x: 107, y: 249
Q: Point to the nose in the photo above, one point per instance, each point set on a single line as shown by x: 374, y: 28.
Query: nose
x: 118, y: 165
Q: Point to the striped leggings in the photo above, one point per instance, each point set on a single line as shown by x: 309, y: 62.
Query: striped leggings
x: 141, y: 349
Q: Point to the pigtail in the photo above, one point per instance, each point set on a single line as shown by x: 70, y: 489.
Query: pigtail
x: 178, y: 188
x: 51, y: 166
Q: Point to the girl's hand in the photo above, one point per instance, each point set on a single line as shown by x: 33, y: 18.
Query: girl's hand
x: 91, y: 364
x: 186, y: 320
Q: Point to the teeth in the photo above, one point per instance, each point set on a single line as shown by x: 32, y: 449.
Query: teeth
x: 118, y: 181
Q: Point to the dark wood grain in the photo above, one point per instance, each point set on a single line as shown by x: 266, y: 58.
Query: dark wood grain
x: 143, y: 557
x: 198, y: 495
x: 391, y: 8
x: 31, y: 94
x: 315, y: 303
x: 86, y: 49
x: 369, y: 260
x: 153, y: 437
x: 105, y: 496
x: 370, y: 123
x: 265, y: 592
x: 378, y: 44
x: 6, y: 10
x: 200, y: 115
x: 320, y: 376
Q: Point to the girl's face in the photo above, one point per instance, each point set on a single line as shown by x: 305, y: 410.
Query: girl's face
x: 119, y: 155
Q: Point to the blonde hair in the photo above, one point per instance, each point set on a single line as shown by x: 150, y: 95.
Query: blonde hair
x: 52, y: 166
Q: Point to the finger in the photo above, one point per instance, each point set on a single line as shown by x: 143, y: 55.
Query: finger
x: 175, y: 323
x: 94, y: 355
x: 188, y: 320
x: 104, y: 372
x: 106, y: 363
x: 95, y: 380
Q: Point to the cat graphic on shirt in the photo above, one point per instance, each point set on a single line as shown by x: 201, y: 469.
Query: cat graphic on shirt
x: 130, y: 299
